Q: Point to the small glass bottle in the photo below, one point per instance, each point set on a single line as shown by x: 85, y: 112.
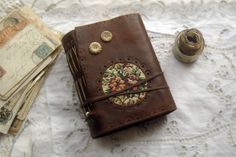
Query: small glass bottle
x: 189, y: 44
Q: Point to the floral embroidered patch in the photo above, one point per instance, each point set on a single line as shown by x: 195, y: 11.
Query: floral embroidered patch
x: 120, y: 76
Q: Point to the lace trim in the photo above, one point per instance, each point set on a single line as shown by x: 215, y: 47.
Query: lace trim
x: 221, y: 85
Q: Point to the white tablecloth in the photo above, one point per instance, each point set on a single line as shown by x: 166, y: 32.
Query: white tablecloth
x: 205, y: 92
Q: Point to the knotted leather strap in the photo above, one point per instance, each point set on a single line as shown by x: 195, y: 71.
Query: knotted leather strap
x: 121, y: 92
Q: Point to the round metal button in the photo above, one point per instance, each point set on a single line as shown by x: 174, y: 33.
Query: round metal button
x: 106, y: 36
x: 95, y: 48
x: 87, y: 114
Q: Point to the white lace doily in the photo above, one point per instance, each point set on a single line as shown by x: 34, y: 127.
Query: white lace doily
x: 205, y: 92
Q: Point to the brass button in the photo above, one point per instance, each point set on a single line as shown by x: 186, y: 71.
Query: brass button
x: 95, y: 48
x: 106, y: 36
x: 87, y: 114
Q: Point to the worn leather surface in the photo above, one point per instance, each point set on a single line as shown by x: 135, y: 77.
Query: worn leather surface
x: 130, y: 44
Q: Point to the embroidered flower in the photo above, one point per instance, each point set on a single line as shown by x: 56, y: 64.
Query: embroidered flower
x: 117, y: 84
x: 120, y: 76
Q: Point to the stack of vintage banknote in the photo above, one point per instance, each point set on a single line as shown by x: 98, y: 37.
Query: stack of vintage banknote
x: 28, y: 48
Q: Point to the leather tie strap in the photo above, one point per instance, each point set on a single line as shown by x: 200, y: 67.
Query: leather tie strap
x: 143, y: 90
x: 121, y: 92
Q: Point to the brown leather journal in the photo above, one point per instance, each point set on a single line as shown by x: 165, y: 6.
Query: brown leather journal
x: 117, y: 75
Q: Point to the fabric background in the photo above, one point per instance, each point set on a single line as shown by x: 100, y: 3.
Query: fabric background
x: 204, y: 125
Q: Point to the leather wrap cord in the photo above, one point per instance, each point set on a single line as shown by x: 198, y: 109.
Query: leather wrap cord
x: 121, y: 92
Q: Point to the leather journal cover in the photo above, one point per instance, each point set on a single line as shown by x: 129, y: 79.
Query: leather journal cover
x: 117, y: 75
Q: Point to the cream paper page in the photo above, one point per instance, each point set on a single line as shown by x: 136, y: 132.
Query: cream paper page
x: 22, y: 54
